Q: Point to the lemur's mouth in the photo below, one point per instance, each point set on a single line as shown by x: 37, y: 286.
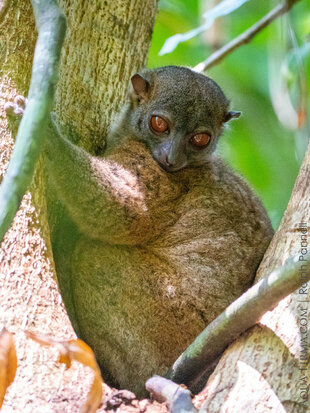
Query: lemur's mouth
x: 170, y: 168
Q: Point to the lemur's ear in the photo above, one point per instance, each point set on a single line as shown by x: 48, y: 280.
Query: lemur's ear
x: 140, y: 85
x: 231, y: 115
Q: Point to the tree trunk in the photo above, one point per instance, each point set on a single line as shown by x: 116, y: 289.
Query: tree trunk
x: 267, y: 368
x: 106, y: 42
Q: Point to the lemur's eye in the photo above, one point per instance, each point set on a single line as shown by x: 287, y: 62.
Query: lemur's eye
x: 201, y: 140
x: 158, y: 124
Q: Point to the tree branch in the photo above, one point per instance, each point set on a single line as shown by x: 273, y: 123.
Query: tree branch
x: 245, y: 37
x: 51, y: 25
x: 242, y: 314
x: 164, y: 390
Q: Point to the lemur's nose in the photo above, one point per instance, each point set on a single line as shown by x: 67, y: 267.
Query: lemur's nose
x: 168, y: 161
x: 164, y: 159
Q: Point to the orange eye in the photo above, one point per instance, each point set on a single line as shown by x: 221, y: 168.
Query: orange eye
x: 201, y: 140
x: 159, y: 124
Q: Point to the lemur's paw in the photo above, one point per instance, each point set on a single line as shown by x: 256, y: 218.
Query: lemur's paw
x: 16, y: 108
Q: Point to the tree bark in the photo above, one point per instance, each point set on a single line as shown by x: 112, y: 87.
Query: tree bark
x: 267, y: 368
x: 106, y: 42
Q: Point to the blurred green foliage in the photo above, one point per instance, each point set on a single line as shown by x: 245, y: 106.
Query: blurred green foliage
x: 256, y: 145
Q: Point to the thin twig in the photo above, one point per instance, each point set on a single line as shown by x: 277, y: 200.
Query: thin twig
x: 245, y: 37
x: 51, y: 25
x: 164, y: 390
x: 242, y: 314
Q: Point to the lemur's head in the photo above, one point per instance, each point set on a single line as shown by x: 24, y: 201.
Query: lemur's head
x: 179, y: 114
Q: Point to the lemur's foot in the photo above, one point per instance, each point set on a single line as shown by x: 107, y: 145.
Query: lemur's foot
x: 16, y: 108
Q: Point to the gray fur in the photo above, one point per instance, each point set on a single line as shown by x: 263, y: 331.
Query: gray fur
x: 192, y: 103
